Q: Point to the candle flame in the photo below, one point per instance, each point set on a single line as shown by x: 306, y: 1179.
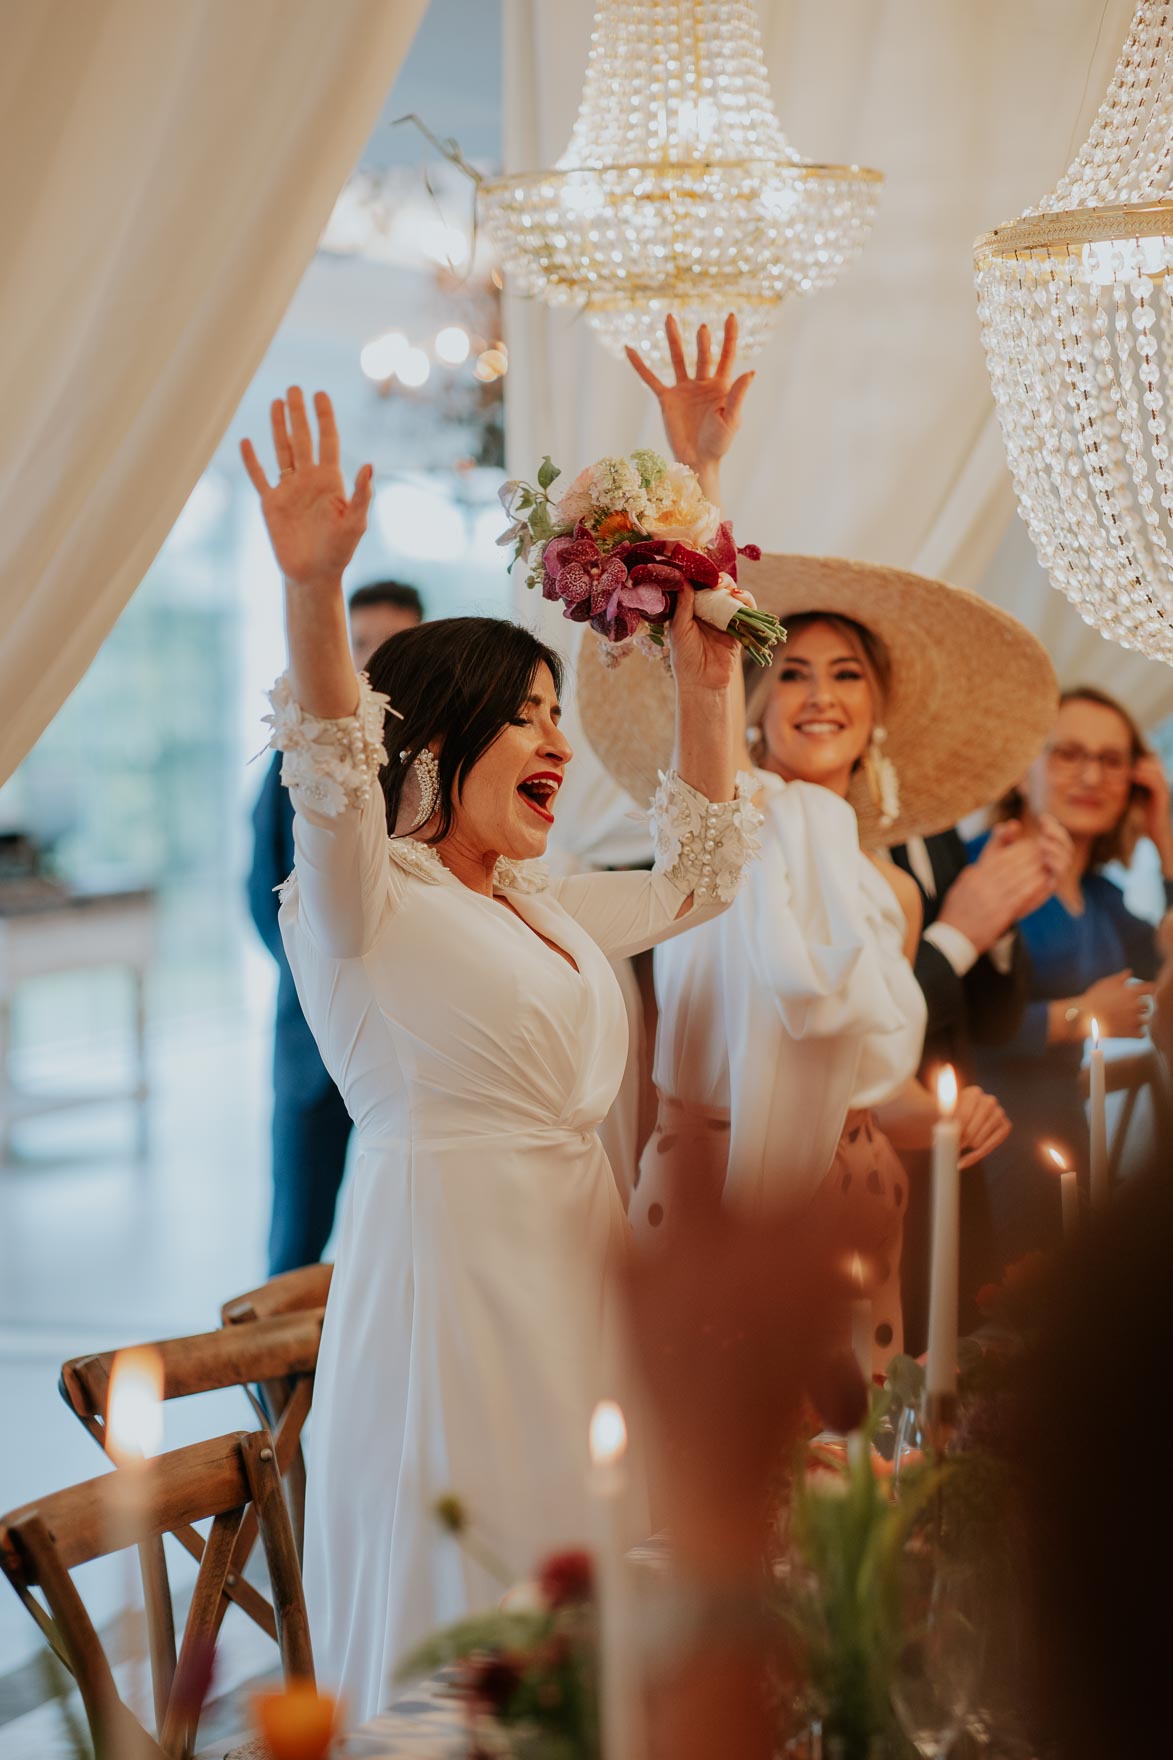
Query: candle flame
x: 134, y: 1405
x: 608, y: 1434
x: 857, y: 1270
x: 1095, y: 1032
x: 1057, y: 1156
x: 947, y: 1091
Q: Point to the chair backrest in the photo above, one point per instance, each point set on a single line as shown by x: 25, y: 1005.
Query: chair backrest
x: 287, y: 1293
x: 279, y: 1353
x: 223, y: 1480
x: 1131, y: 1075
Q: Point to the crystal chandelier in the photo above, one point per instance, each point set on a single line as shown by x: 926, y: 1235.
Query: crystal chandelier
x: 678, y: 191
x: 1076, y: 307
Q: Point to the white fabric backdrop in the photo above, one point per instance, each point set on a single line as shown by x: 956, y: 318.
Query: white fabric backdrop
x: 869, y: 431
x: 164, y: 174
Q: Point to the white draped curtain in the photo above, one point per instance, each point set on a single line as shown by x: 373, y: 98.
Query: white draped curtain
x: 870, y: 430
x: 165, y: 171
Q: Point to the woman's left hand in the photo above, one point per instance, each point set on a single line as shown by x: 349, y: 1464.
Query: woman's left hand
x: 703, y: 658
x: 983, y: 1124
x: 1148, y: 775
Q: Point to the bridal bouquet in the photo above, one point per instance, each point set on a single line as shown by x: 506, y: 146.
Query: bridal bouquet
x: 622, y: 540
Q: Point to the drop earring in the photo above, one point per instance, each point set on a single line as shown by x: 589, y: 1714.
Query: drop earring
x: 420, y: 794
x: 883, y: 784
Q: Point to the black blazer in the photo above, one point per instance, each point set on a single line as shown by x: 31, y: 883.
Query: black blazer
x: 984, y: 1007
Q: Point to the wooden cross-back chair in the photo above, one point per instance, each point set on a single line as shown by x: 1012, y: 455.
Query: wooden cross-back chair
x: 226, y: 1480
x: 290, y: 1292
x: 1131, y: 1075
x: 287, y: 1293
x: 281, y: 1351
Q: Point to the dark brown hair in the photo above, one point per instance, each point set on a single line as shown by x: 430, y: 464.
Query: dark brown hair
x: 458, y: 681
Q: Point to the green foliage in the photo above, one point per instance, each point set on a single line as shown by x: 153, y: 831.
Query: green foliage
x: 547, y: 1687
x: 498, y: 1630
x: 843, y: 1603
x: 547, y: 472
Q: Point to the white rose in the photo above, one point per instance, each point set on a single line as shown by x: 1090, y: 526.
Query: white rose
x: 680, y: 513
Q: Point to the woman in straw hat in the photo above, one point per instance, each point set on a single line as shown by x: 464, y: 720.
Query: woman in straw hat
x: 787, y: 1034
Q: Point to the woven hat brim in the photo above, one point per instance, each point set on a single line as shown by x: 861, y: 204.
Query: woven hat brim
x: 973, y: 694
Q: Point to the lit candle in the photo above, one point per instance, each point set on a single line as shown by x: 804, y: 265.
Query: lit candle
x: 941, y: 1367
x: 861, y: 1321
x: 861, y: 1348
x: 1099, y: 1123
x: 618, y: 1677
x: 134, y: 1431
x: 1068, y: 1188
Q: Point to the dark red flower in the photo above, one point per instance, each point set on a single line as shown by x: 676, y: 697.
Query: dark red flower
x: 490, y: 1679
x: 567, y: 1577
x: 581, y: 576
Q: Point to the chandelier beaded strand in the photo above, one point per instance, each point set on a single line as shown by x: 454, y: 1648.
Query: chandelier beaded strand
x: 678, y: 191
x: 1076, y: 309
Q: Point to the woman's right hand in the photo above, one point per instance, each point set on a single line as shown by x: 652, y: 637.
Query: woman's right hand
x: 313, y: 526
x: 1119, y: 1006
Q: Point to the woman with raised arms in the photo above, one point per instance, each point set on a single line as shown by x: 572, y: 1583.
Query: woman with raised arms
x: 465, y: 1006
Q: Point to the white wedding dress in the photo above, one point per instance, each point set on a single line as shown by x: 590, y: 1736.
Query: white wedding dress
x: 464, y: 1342
x: 794, y: 1008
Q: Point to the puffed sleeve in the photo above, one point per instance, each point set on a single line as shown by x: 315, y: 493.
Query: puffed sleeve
x: 702, y: 851
x: 811, y: 997
x: 342, y: 883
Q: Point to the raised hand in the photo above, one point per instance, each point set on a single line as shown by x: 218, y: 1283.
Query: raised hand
x: 702, y: 413
x: 314, y: 526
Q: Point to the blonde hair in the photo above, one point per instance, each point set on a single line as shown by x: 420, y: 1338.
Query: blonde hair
x: 868, y: 648
x: 1119, y: 843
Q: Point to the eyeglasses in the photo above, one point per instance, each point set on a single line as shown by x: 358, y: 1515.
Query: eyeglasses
x: 1070, y: 756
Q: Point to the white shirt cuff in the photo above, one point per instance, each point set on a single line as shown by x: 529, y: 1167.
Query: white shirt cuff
x: 957, y: 947
x: 1002, y: 953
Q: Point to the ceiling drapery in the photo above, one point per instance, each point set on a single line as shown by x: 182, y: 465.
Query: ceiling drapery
x: 164, y: 174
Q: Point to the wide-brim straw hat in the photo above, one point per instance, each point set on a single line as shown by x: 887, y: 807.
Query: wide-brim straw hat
x: 973, y: 694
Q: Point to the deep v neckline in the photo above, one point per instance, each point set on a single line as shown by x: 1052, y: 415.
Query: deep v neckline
x: 554, y: 947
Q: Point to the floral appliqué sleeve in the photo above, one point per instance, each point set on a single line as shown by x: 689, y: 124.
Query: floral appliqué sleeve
x: 328, y: 766
x: 703, y: 846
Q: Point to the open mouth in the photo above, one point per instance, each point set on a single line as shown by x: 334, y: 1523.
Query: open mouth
x: 819, y: 729
x: 538, y: 794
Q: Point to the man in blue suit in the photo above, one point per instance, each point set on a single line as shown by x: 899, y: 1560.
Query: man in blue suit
x: 311, y: 1126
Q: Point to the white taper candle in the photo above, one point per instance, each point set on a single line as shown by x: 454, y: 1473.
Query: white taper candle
x: 1068, y: 1190
x: 1099, y: 1122
x: 618, y: 1671
x: 941, y: 1367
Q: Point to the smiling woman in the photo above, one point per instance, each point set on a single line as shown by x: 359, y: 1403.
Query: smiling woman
x: 466, y: 1008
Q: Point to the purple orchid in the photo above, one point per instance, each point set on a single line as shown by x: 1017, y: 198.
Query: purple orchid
x: 583, y: 578
x: 631, y: 583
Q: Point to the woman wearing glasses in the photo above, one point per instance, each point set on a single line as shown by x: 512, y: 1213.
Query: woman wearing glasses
x: 1090, y: 957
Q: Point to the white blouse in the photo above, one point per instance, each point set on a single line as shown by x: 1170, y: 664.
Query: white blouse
x: 799, y: 1003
